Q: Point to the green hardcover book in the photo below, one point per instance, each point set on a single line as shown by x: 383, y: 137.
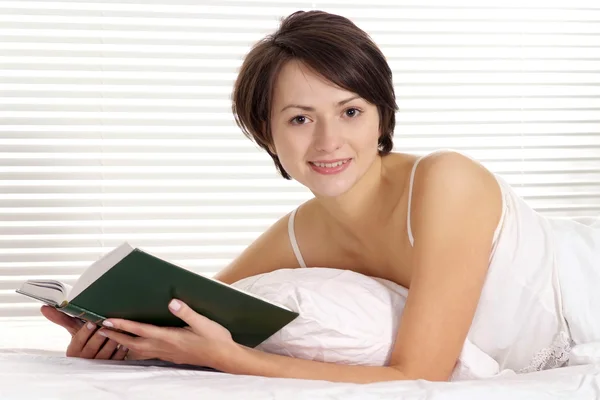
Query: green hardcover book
x: 132, y: 284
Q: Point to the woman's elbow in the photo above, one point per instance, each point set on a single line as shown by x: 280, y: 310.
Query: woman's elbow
x: 431, y: 375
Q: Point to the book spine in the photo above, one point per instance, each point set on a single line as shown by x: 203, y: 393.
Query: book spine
x: 81, y: 313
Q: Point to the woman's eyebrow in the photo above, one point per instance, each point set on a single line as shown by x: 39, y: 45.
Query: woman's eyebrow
x: 308, y: 108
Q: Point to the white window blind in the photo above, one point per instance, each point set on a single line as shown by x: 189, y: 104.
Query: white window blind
x: 115, y: 121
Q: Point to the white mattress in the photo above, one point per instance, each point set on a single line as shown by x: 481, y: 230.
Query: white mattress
x: 33, y: 366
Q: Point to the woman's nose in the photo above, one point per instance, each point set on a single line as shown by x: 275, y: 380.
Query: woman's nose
x: 327, y: 138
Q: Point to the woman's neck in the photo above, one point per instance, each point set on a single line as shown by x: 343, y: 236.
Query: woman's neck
x: 365, y: 205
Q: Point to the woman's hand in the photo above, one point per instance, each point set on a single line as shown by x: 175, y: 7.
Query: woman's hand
x: 206, y: 343
x: 203, y: 342
x: 86, y: 341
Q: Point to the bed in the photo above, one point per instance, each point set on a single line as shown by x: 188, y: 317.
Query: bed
x: 33, y: 366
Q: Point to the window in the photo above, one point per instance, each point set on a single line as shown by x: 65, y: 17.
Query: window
x: 115, y: 119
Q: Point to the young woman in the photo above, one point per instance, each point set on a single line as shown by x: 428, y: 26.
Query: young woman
x: 317, y: 96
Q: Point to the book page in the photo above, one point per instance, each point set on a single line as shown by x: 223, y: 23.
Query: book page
x: 99, y: 268
x: 48, y: 291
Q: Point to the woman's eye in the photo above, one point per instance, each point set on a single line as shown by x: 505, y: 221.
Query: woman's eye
x: 352, y: 112
x: 298, y: 120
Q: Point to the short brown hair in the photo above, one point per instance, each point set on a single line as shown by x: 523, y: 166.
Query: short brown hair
x: 333, y: 47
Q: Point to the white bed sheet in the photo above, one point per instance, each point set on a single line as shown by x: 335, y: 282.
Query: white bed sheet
x: 33, y: 366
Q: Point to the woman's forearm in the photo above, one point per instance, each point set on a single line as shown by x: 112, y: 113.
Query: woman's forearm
x: 249, y: 361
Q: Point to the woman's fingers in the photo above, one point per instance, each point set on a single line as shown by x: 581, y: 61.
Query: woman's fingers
x: 107, y: 350
x: 87, y: 342
x: 136, y: 328
x: 73, y: 325
x: 125, y: 339
x: 120, y: 353
x: 200, y: 324
x: 79, y: 340
x: 93, y: 345
x: 84, y: 341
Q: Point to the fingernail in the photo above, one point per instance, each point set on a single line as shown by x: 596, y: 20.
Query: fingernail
x: 101, y: 333
x: 107, y: 323
x: 174, y: 305
x: 124, y: 348
x: 90, y: 326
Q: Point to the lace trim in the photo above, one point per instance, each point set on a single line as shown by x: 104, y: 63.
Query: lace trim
x: 554, y: 356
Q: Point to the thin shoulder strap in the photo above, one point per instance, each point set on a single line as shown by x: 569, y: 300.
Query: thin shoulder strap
x: 410, y: 192
x: 293, y: 240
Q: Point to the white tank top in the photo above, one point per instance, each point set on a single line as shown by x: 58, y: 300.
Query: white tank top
x: 520, y: 319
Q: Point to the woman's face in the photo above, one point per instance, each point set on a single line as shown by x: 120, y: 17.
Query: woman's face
x: 326, y: 138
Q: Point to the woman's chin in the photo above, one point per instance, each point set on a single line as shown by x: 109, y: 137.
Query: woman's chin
x: 331, y: 189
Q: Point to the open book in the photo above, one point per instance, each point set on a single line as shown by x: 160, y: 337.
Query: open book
x: 132, y: 284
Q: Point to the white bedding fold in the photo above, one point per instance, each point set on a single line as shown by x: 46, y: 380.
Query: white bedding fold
x: 34, y: 374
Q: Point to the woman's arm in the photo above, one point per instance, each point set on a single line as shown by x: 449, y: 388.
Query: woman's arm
x: 456, y: 208
x: 272, y: 250
x: 249, y: 361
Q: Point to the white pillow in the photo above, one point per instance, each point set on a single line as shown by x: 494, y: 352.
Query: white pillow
x: 345, y: 318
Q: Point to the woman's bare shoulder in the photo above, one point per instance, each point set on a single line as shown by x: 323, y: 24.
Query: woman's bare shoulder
x: 449, y: 174
x: 455, y: 168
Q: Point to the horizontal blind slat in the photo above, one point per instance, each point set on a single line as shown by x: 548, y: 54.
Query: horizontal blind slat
x: 115, y: 119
